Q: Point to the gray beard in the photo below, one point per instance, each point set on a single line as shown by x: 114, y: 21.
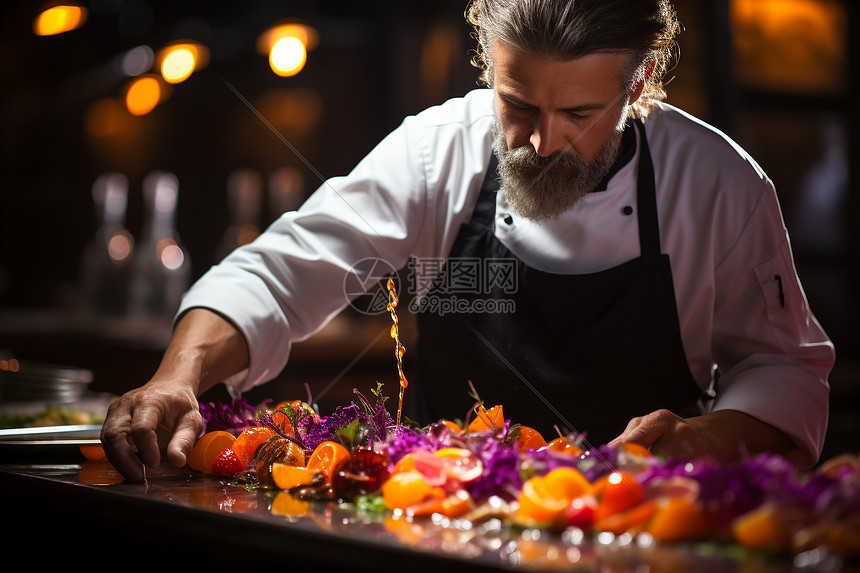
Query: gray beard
x: 542, y: 194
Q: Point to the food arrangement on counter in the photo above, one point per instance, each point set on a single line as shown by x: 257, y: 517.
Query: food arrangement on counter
x: 491, y: 468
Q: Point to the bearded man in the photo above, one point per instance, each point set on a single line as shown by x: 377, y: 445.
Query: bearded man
x: 648, y: 285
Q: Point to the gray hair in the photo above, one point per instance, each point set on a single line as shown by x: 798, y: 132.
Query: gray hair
x: 569, y: 29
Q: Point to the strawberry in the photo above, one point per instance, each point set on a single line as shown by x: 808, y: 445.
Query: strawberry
x: 227, y: 463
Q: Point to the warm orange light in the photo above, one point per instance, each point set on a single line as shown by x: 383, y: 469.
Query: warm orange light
x: 794, y: 45
x: 179, y: 60
x: 288, y: 56
x: 287, y: 46
x: 59, y: 19
x: 143, y: 95
x: 10, y: 365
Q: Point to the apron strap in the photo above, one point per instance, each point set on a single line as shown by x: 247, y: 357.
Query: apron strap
x: 649, y: 226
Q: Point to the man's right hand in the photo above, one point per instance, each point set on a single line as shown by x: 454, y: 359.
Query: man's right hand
x: 205, y: 349
x: 129, y: 432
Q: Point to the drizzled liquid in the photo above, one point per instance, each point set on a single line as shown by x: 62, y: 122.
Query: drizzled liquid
x: 399, y: 350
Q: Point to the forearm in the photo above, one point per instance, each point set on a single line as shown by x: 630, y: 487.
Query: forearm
x: 205, y: 349
x: 732, y: 435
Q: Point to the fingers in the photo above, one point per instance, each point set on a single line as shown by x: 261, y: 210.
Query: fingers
x: 119, y: 445
x: 647, y: 430
x: 186, y: 431
x: 129, y: 434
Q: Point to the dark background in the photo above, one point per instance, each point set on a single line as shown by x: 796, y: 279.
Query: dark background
x: 773, y: 75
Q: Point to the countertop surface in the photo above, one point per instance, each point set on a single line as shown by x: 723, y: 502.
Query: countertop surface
x: 86, y: 508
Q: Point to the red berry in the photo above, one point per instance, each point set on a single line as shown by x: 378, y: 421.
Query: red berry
x: 227, y: 463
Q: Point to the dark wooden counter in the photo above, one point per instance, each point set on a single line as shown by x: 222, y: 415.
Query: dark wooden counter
x: 79, y: 512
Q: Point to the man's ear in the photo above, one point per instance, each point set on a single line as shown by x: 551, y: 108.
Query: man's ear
x: 640, y: 85
x: 637, y: 91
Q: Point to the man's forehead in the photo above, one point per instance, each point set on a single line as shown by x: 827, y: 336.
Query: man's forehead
x: 519, y: 74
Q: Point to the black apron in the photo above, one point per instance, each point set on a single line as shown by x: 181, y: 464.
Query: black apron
x: 585, y: 353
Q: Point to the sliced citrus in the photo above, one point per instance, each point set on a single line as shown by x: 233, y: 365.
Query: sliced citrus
x: 537, y: 503
x: 487, y: 419
x: 567, y: 483
x: 677, y: 519
x: 407, y: 489
x: 288, y: 476
x: 543, y: 498
x: 326, y: 457
x: 249, y: 440
x: 760, y: 528
x: 208, y: 447
x: 530, y: 439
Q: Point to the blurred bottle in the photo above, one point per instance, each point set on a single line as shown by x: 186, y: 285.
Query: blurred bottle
x: 244, y: 201
x: 105, y: 268
x: 286, y: 190
x: 161, y: 269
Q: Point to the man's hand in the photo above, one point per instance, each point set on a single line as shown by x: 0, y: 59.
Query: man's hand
x: 129, y: 432
x: 205, y: 349
x: 723, y: 436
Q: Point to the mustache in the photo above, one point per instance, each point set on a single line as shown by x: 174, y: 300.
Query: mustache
x: 525, y: 157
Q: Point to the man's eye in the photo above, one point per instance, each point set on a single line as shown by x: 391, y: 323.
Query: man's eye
x: 577, y: 116
x: 519, y: 106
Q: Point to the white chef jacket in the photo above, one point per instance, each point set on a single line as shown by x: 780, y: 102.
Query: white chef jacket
x: 720, y: 224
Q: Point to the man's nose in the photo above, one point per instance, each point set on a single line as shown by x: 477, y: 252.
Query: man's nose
x: 547, y: 136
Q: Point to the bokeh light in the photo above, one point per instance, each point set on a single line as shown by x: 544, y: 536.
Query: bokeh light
x: 143, y: 94
x: 288, y: 56
x: 170, y: 254
x: 59, y: 19
x: 287, y: 46
x: 179, y: 60
x: 137, y: 61
x: 120, y: 247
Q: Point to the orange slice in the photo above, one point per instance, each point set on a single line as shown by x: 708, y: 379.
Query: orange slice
x: 407, y: 489
x: 487, y: 419
x: 249, y: 440
x: 543, y: 498
x: 207, y: 449
x: 326, y: 458
x: 678, y: 519
x: 760, y: 528
x: 287, y: 476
